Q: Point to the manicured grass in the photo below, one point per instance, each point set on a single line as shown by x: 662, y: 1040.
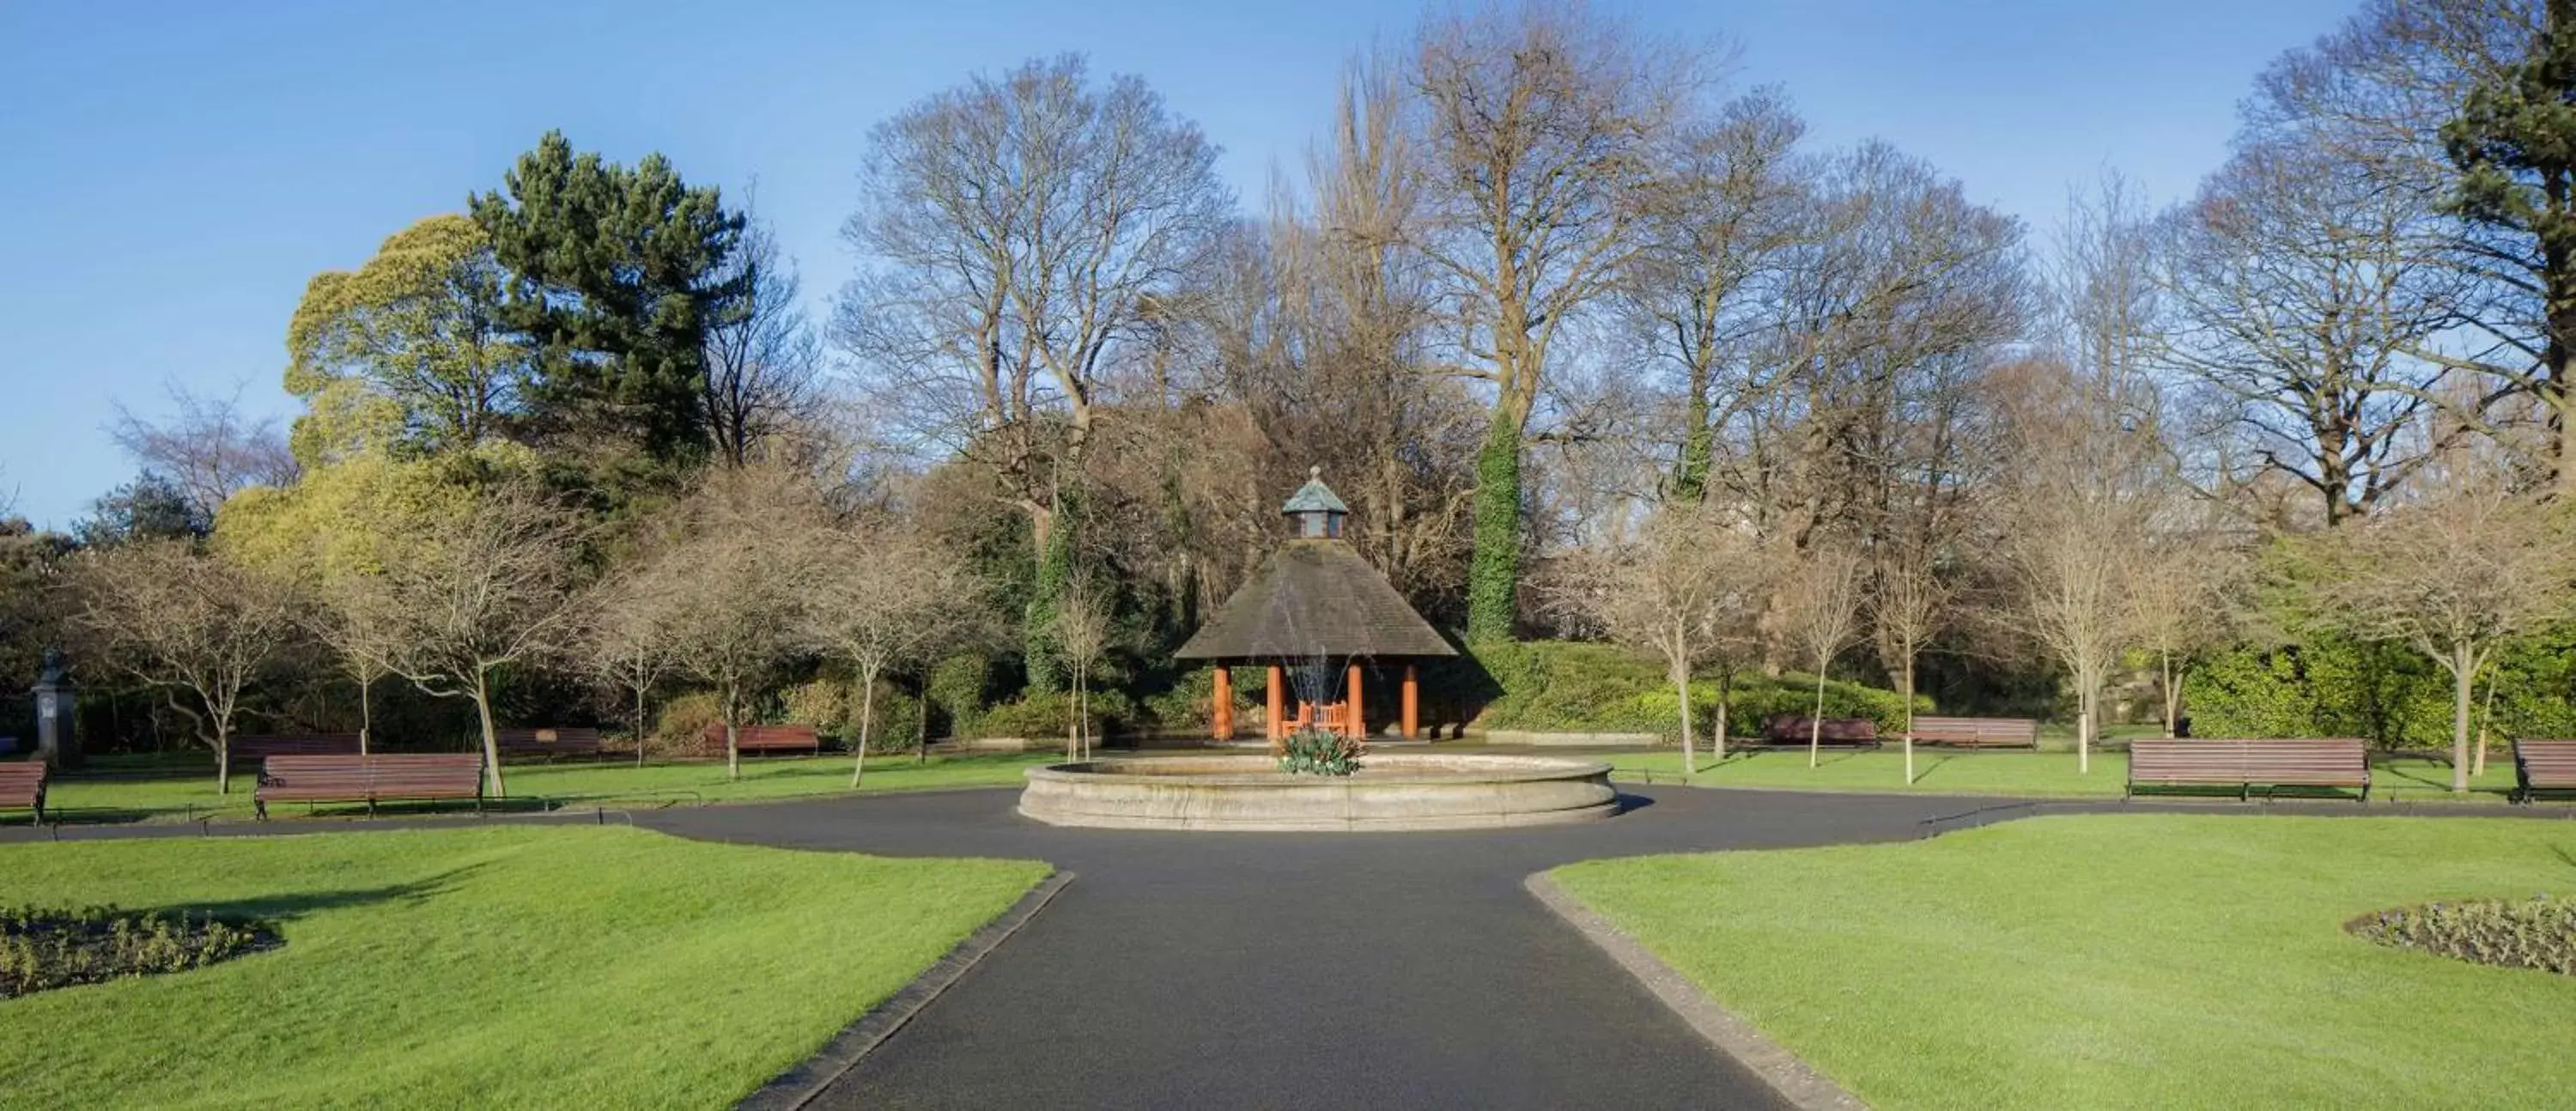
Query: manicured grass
x: 485, y: 967
x: 147, y: 789
x: 2045, y: 774
x: 2130, y: 960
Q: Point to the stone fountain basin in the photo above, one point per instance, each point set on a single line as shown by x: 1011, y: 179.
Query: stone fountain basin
x: 1397, y: 791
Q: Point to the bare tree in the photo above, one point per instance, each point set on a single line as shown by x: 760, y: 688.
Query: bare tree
x: 885, y: 599
x: 2298, y: 291
x: 1082, y: 624
x: 1674, y: 592
x: 627, y: 641
x: 764, y: 364
x: 1025, y: 231
x: 487, y: 585
x: 738, y: 578
x: 1721, y: 217
x: 2452, y: 577
x: 189, y: 623
x: 1538, y: 123
x: 348, y: 613
x: 2178, y: 588
x: 1909, y: 604
x: 1819, y: 609
x: 208, y: 447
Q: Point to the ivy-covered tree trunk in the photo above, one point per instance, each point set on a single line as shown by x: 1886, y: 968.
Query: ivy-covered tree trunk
x: 1699, y: 442
x: 1044, y: 662
x: 1494, y: 576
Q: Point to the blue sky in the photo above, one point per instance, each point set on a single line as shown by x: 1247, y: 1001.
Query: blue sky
x: 179, y: 170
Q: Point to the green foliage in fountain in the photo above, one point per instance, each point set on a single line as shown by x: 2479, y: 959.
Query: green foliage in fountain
x: 1318, y: 752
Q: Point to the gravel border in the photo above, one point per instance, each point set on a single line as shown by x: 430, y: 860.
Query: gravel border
x: 807, y: 1079
x: 1801, y: 1086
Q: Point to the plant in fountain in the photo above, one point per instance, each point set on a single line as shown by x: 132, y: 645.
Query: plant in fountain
x: 1314, y: 749
x: 1321, y: 752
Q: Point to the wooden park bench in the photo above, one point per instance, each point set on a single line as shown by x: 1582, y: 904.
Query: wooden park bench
x: 1977, y: 732
x: 547, y: 744
x: 251, y: 748
x: 2342, y: 762
x: 2539, y: 766
x: 22, y: 787
x: 374, y: 778
x: 764, y: 738
x: 1795, y: 729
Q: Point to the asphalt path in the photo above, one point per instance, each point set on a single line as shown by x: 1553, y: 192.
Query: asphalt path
x: 1248, y: 970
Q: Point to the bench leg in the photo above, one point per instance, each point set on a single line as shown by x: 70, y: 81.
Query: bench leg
x: 260, y: 807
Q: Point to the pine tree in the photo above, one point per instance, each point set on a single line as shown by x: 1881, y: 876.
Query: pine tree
x: 618, y: 275
x: 2515, y: 144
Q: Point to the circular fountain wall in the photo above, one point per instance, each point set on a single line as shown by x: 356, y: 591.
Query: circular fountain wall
x: 1404, y: 791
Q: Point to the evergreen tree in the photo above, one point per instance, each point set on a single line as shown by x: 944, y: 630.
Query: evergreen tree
x: 618, y: 275
x: 2515, y: 144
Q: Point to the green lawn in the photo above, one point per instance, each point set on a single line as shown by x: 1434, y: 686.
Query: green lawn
x: 2129, y: 960
x: 164, y: 789
x: 1939, y: 771
x: 484, y: 967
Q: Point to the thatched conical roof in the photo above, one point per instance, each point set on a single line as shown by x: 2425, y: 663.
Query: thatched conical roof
x: 1315, y: 597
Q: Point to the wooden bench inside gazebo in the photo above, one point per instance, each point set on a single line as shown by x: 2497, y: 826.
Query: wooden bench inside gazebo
x: 1317, y: 607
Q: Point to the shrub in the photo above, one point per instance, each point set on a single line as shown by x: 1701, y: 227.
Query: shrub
x: 1317, y: 752
x: 2537, y: 933
x: 958, y: 688
x: 1570, y: 686
x: 1048, y: 716
x: 1185, y: 705
x: 41, y: 948
x: 683, y: 721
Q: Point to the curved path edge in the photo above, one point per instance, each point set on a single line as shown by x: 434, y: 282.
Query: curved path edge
x: 1803, y: 1087
x: 808, y: 1078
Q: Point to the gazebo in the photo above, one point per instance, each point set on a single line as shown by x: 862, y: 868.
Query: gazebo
x: 1313, y: 602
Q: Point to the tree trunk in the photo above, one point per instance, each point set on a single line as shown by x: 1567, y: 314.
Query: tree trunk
x: 2464, y: 674
x: 639, y: 727
x: 1909, y: 717
x: 2486, y: 725
x: 1816, y: 723
x: 366, y: 712
x: 491, y: 741
x: 2173, y: 697
x: 223, y: 759
x: 2084, y: 726
x: 733, y: 737
x: 921, y: 720
x: 1717, y: 736
x: 1690, y: 753
x: 867, y: 719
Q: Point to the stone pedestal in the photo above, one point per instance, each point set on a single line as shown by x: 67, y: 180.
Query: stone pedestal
x: 57, y: 743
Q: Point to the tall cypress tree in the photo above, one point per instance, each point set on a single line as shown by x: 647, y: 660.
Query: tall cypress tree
x: 618, y: 273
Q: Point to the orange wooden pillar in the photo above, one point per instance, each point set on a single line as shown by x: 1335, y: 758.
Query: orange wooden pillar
x: 1278, y: 702
x: 1222, y: 708
x: 1355, y: 720
x: 1412, y: 704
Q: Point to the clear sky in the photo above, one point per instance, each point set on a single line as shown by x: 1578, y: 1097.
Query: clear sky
x: 175, y: 172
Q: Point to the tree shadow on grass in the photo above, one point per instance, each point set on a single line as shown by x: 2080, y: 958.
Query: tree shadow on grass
x: 1923, y: 771
x: 293, y: 905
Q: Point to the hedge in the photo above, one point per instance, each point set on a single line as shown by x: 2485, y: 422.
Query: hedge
x: 2386, y: 693
x: 1576, y: 687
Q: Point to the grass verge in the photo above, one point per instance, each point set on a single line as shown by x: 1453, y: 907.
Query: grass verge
x: 486, y: 967
x: 2122, y: 961
x: 2037, y: 774
x: 166, y: 790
